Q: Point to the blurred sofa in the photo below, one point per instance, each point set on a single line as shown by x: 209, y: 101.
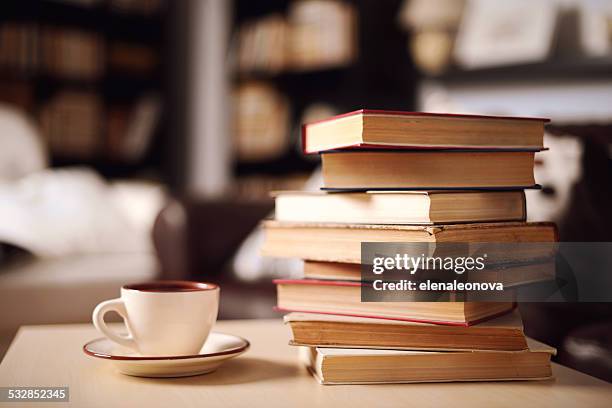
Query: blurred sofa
x: 197, y: 239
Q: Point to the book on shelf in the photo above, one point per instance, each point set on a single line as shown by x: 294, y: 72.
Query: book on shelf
x: 19, y: 43
x: 427, y: 170
x: 68, y: 53
x: 342, y: 242
x: 368, y: 366
x: 72, y: 53
x: 344, y: 298
x: 261, y: 122
x: 324, y: 330
x: 393, y: 129
x: 510, y: 275
x: 323, y: 34
x: 262, y: 44
x: 132, y: 58
x: 314, y: 34
x: 400, y: 207
x: 72, y: 124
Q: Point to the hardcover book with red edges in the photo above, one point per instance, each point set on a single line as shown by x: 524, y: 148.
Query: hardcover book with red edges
x: 344, y: 298
x: 380, y: 129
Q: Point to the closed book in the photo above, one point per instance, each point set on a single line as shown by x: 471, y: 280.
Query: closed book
x: 324, y: 330
x: 400, y: 207
x: 395, y: 129
x: 364, y: 170
x: 342, y: 242
x: 368, y: 366
x: 344, y: 299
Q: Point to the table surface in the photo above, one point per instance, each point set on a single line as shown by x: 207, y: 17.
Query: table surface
x: 269, y: 375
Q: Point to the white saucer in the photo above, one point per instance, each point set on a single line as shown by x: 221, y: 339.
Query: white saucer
x: 219, y: 347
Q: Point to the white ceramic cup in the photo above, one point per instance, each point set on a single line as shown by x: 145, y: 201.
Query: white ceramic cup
x: 164, y: 318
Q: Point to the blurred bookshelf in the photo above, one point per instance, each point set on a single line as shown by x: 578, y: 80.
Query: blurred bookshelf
x: 92, y: 74
x: 294, y: 61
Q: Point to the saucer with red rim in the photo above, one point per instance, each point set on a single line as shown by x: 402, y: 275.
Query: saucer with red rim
x: 219, y: 347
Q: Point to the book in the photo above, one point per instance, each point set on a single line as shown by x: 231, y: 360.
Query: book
x: 321, y: 330
x: 261, y: 122
x: 262, y: 44
x: 342, y: 242
x: 322, y: 34
x: 401, y: 207
x: 19, y: 43
x: 366, y: 366
x: 425, y: 170
x: 509, y: 275
x: 72, y: 124
x: 344, y: 298
x: 384, y: 129
x: 72, y: 53
x: 132, y: 58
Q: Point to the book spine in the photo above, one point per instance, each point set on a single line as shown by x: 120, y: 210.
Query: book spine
x: 524, y: 198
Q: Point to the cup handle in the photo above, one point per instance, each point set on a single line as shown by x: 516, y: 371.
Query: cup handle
x: 113, y: 305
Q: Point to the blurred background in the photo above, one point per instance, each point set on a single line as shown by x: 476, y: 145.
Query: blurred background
x: 140, y: 139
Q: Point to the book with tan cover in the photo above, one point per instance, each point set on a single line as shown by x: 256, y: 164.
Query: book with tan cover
x: 368, y: 366
x: 324, y: 330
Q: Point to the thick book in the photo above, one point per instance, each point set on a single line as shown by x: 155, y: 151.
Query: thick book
x: 427, y: 170
x: 394, y: 129
x: 344, y: 298
x: 367, y: 366
x: 510, y: 275
x: 322, y: 330
x: 342, y: 242
x: 401, y: 207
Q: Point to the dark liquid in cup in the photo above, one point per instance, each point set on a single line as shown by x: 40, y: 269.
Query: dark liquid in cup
x: 171, y: 286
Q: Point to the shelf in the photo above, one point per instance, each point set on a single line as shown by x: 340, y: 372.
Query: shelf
x: 98, y: 17
x: 115, y: 87
x: 291, y: 162
x: 288, y: 75
x: 107, y: 167
x: 568, y: 68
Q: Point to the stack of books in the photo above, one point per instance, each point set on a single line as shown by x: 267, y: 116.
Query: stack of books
x: 409, y: 177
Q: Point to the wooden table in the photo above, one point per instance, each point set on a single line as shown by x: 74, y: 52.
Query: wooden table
x: 268, y: 375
